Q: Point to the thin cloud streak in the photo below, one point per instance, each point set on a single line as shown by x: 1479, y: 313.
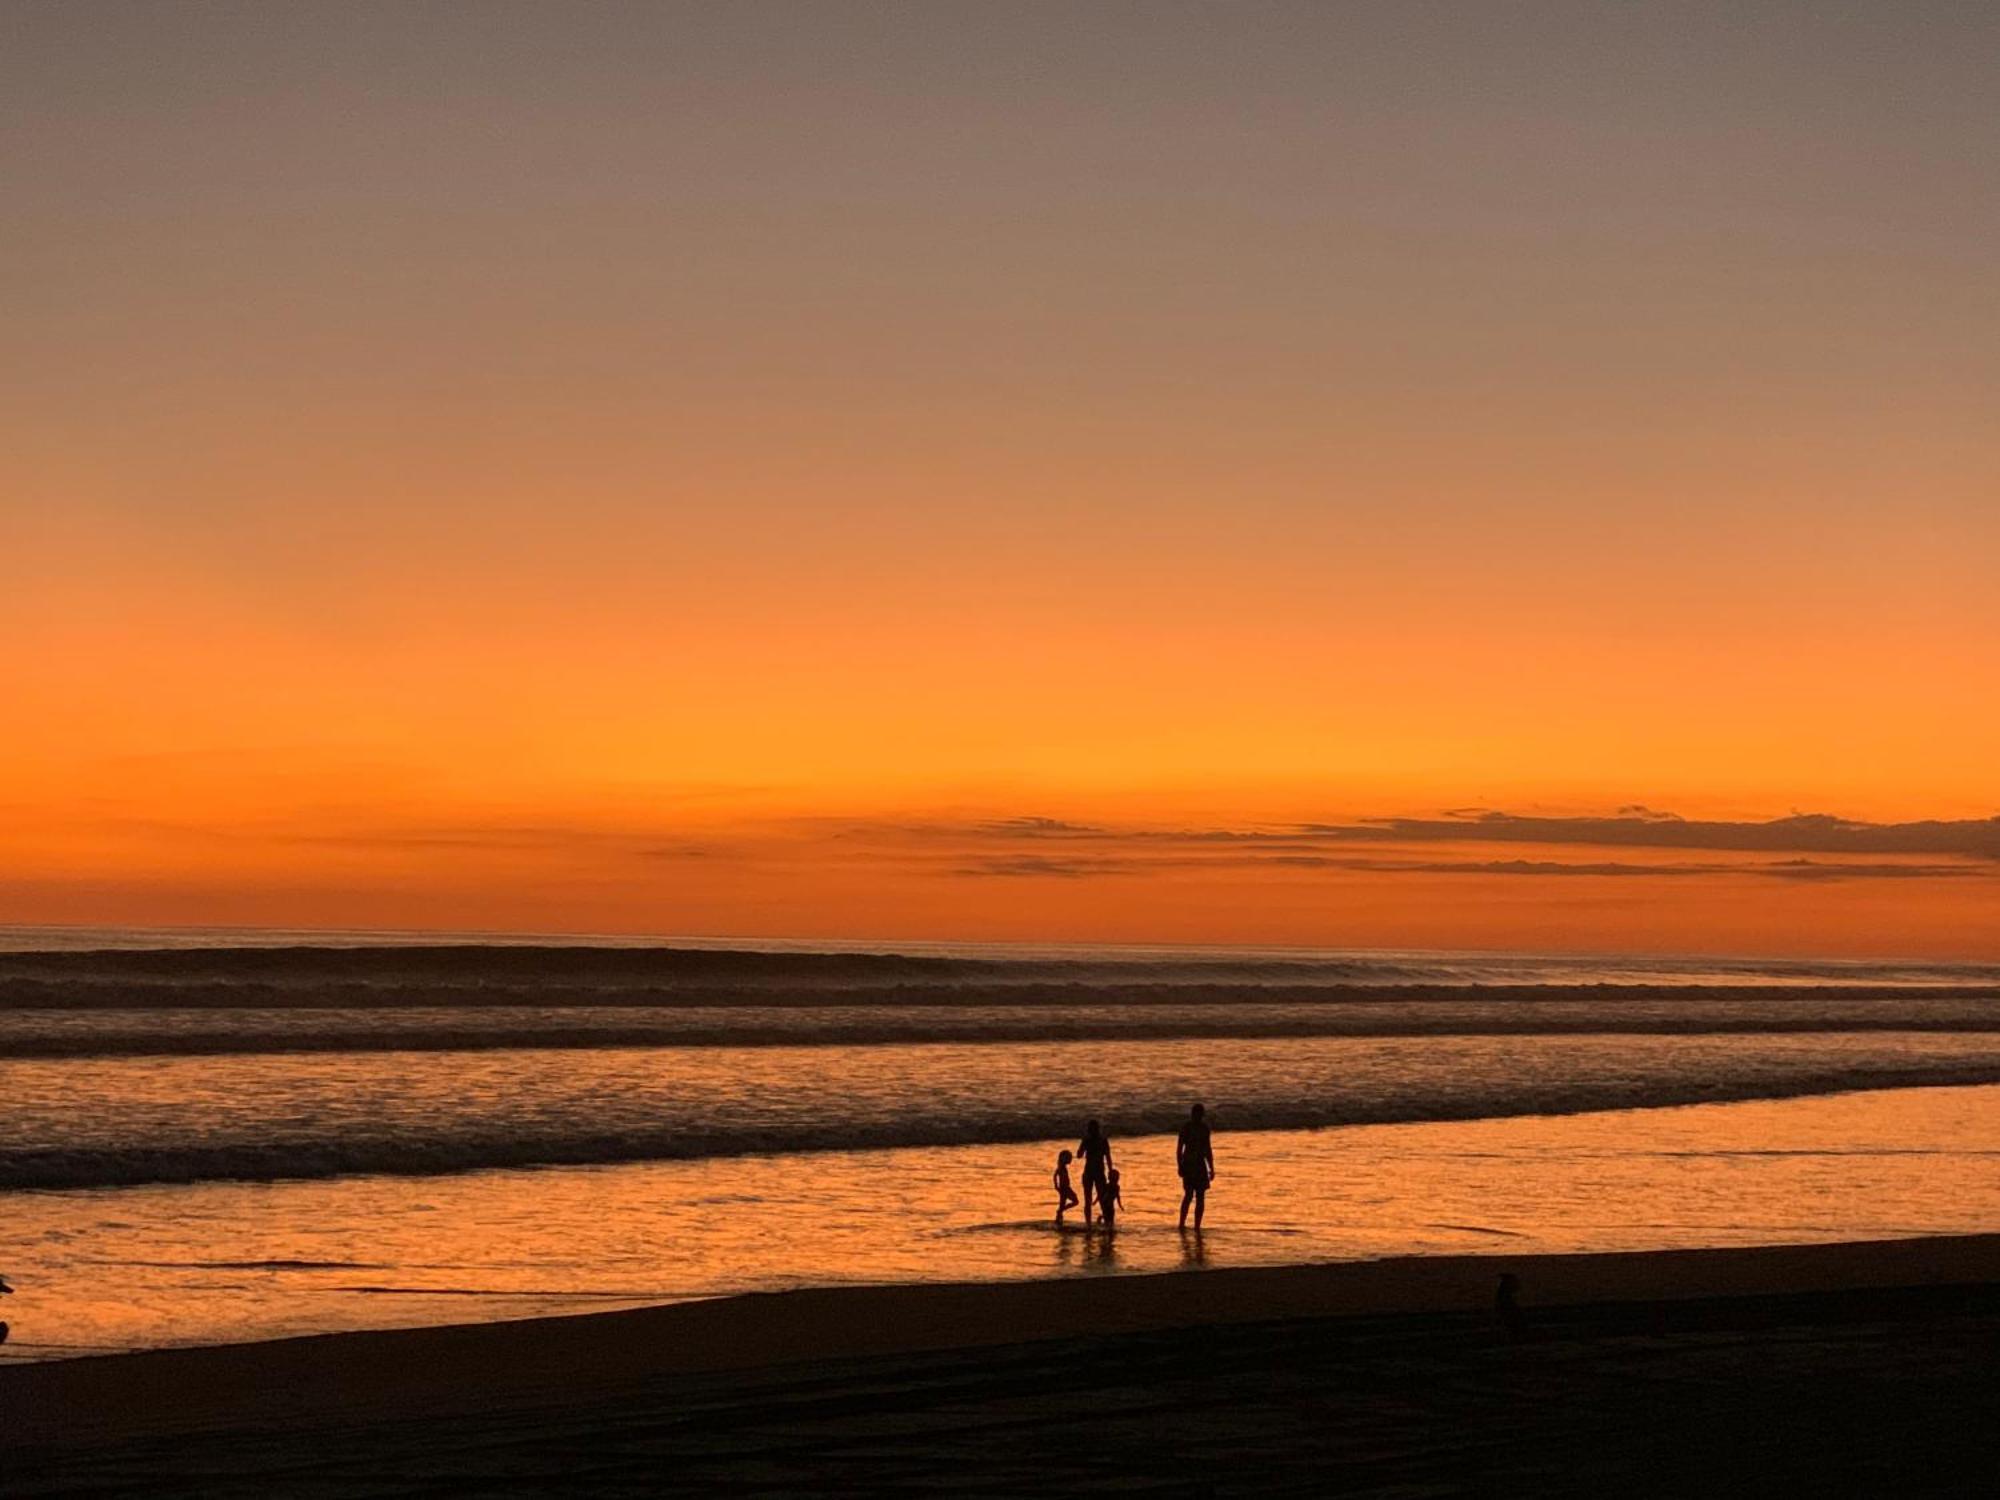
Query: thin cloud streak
x: 1817, y: 833
x: 1635, y: 827
x: 1059, y: 867
x: 1824, y: 848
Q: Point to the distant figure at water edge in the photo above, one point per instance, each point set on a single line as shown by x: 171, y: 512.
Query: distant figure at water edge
x: 1194, y: 1159
x: 1095, y: 1149
x: 1065, y: 1194
x: 1108, y: 1199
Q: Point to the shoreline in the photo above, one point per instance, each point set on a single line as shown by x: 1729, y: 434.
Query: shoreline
x: 294, y: 1385
x: 215, y: 1264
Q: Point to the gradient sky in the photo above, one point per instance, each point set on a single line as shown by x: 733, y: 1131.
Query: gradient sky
x: 718, y: 469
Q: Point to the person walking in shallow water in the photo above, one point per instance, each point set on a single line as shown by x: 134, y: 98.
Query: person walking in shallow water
x: 1194, y: 1159
x: 1095, y: 1149
x: 1065, y: 1194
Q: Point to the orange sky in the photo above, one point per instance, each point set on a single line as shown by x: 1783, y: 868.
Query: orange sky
x: 612, y: 470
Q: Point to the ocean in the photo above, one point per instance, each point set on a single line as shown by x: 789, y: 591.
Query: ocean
x: 218, y: 1135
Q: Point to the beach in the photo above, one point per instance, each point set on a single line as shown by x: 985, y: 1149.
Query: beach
x: 1850, y: 1366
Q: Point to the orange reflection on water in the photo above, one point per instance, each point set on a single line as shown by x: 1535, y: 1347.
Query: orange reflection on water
x: 230, y: 1261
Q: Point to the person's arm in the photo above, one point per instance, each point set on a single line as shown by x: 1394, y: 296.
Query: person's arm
x: 1208, y: 1154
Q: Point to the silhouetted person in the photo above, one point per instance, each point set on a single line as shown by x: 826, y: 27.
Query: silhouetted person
x: 1507, y: 1303
x: 1194, y: 1159
x: 1095, y: 1149
x: 1108, y: 1199
x: 1065, y: 1194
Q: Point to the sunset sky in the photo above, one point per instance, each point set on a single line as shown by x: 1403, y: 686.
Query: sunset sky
x: 1361, y: 474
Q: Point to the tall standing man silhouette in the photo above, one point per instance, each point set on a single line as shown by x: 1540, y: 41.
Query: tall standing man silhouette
x: 1194, y: 1159
x: 1095, y: 1149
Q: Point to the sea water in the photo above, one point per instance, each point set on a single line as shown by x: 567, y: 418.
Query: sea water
x: 230, y: 1136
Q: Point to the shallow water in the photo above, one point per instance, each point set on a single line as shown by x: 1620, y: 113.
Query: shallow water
x: 226, y: 1261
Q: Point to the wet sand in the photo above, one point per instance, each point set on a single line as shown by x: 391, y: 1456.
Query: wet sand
x: 1830, y: 1367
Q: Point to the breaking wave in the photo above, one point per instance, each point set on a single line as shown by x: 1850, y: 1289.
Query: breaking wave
x: 168, y: 1002
x: 207, y: 1031
x: 470, y: 973
x: 265, y: 1118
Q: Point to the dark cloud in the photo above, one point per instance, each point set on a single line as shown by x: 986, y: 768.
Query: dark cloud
x: 1793, y: 869
x: 1808, y: 869
x: 1634, y: 826
x: 1055, y: 868
x: 1023, y: 827
x: 1039, y: 828
x: 1559, y: 867
x: 1805, y: 833
x: 1825, y: 848
x: 1150, y: 862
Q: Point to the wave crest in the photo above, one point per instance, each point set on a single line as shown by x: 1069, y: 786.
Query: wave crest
x: 27, y: 1168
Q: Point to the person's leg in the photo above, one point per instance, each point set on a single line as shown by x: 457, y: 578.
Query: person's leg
x: 1200, y: 1203
x: 1187, y: 1197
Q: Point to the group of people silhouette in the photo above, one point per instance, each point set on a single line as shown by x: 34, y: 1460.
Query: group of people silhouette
x: 1194, y: 1164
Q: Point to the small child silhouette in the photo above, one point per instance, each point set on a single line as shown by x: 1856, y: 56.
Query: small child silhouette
x: 1065, y: 1194
x: 1108, y: 1199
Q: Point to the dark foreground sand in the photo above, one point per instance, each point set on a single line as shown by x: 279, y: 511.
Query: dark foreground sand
x: 1866, y: 1369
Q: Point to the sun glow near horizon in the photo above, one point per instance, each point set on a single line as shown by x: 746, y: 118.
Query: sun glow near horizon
x: 617, y: 473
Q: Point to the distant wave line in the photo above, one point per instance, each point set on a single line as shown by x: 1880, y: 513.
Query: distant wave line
x: 136, y: 1044
x: 112, y: 993
x: 724, y: 971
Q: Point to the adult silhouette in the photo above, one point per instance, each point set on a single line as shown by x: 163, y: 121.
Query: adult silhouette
x: 1095, y: 1149
x: 1194, y: 1159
